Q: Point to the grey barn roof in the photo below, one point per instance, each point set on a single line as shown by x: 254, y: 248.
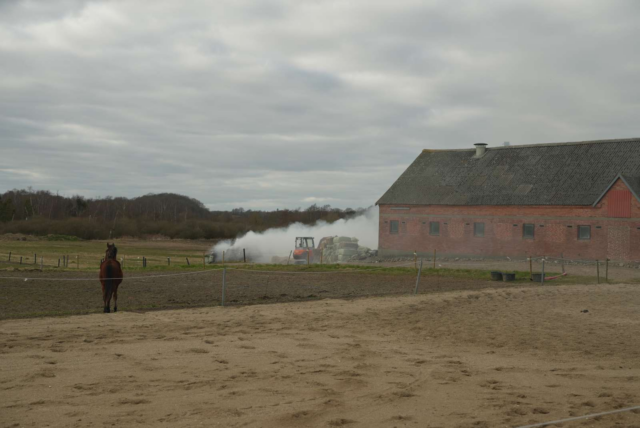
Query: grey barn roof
x: 543, y: 174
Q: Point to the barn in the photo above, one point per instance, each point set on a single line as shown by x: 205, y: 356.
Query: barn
x: 578, y: 200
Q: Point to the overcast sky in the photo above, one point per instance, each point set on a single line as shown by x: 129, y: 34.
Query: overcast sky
x: 273, y: 104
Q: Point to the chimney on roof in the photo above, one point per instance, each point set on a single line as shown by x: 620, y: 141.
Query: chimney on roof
x: 481, y: 149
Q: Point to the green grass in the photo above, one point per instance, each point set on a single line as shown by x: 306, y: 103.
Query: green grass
x: 466, y: 274
x: 471, y: 274
x: 156, y: 252
x: 89, y: 253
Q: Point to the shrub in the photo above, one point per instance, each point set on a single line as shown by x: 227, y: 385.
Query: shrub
x: 62, y: 238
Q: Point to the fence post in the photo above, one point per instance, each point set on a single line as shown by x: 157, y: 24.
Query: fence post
x: 77, y: 262
x: 223, y: 259
x: 41, y: 262
x: 20, y: 259
x: 35, y: 258
x: 415, y: 260
x: 188, y: 264
x: 606, y: 271
x: 168, y: 261
x: 224, y: 283
x: 598, y: 270
x: 562, y: 259
x: 530, y: 268
x: 308, y: 256
x: 418, y: 279
x: 290, y: 252
x: 9, y: 255
x: 204, y: 262
x: 244, y: 255
x: 542, y: 276
x: 58, y: 261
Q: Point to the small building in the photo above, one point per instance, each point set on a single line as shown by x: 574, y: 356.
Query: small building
x: 577, y: 200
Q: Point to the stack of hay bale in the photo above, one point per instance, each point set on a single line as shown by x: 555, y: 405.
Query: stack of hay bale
x: 341, y: 249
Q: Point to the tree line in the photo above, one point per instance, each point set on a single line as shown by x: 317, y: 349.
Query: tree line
x: 40, y: 212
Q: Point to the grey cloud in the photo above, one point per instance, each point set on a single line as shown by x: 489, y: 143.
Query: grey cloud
x: 275, y: 104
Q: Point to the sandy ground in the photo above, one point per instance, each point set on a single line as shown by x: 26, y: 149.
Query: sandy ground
x: 488, y: 358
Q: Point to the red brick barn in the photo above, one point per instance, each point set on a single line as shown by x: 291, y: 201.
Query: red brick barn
x: 579, y: 200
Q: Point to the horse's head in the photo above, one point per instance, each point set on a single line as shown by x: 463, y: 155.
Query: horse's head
x: 111, y: 252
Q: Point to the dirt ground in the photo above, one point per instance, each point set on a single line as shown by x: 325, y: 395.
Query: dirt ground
x: 183, y: 289
x: 486, y: 358
x: 586, y: 270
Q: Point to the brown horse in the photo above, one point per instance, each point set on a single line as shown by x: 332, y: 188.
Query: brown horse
x: 110, y: 277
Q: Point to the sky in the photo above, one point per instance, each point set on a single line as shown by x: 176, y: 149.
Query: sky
x: 286, y: 103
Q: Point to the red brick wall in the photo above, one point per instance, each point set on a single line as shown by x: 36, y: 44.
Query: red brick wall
x: 616, y: 238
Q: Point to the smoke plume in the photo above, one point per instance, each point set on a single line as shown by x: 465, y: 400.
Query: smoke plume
x: 261, y: 247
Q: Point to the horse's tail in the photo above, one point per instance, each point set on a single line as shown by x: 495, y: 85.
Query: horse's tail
x: 109, y: 273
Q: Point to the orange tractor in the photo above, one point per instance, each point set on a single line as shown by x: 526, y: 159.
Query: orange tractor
x: 306, y: 252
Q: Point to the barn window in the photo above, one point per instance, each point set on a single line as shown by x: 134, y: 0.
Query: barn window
x: 528, y: 230
x: 478, y: 229
x: 584, y: 232
x: 393, y: 226
x: 434, y: 228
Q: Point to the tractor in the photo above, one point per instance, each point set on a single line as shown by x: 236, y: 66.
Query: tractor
x: 304, y: 251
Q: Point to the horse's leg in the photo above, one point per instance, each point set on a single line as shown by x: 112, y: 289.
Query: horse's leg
x: 109, y: 294
x: 104, y: 298
x: 115, y: 299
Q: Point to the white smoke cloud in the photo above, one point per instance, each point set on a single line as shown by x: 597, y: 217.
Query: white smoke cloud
x: 261, y: 247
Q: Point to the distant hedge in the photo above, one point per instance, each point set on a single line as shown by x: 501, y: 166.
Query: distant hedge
x: 41, y: 213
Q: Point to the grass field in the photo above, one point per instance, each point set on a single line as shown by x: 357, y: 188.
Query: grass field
x: 89, y: 253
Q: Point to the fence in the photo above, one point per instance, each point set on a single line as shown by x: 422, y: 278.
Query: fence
x: 76, y: 261
x: 70, y: 292
x: 584, y: 271
x: 73, y: 291
x: 87, y: 261
x: 591, y: 270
